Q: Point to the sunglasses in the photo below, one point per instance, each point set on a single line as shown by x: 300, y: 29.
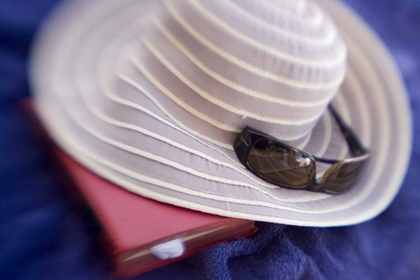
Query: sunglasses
x: 289, y: 167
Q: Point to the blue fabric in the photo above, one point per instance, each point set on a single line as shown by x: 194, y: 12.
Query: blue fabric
x: 42, y: 236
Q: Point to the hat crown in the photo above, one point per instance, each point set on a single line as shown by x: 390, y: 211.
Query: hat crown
x: 272, y: 65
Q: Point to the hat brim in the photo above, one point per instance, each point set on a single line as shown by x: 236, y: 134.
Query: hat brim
x: 111, y: 124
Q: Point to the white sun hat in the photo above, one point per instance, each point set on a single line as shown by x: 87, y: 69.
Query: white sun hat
x: 152, y: 94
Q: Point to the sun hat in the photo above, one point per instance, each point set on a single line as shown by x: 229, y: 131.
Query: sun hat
x: 151, y: 95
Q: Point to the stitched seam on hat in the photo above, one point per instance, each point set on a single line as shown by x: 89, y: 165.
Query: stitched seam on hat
x: 168, y: 162
x: 182, y: 202
x: 190, y: 130
x: 346, y: 116
x: 182, y: 128
x: 178, y: 145
x: 210, y: 98
x: 180, y: 102
x: 151, y: 180
x: 188, y: 149
x: 234, y: 7
x: 324, y: 147
x: 157, y: 158
x: 369, y: 74
x: 326, y: 63
x: 152, y: 156
x: 316, y: 22
x: 243, y: 64
x: 180, y: 188
x: 214, y: 197
x: 105, y: 90
x: 139, y: 87
x: 357, y: 88
x: 160, y: 159
x: 240, y: 88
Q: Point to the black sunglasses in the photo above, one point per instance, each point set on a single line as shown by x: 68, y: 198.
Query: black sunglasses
x: 289, y: 167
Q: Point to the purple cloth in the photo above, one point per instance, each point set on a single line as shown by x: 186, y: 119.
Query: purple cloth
x: 43, y: 237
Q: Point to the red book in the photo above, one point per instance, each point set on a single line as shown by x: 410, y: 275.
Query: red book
x: 142, y: 234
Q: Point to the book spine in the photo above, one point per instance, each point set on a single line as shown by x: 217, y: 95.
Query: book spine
x: 127, y: 266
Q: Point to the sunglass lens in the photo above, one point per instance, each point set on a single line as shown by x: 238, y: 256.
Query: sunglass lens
x: 343, y: 177
x: 273, y: 161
